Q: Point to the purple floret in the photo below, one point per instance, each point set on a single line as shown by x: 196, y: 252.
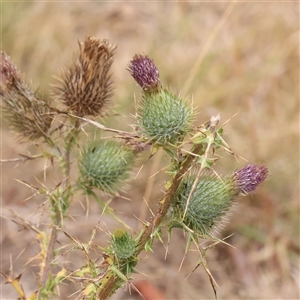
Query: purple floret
x: 145, y: 73
x: 250, y: 177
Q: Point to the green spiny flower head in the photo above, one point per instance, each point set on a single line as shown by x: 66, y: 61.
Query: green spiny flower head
x: 209, y: 202
x: 105, y: 165
x: 203, y: 209
x: 123, y: 245
x: 163, y: 117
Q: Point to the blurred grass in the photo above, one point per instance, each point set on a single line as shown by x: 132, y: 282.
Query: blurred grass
x: 251, y: 68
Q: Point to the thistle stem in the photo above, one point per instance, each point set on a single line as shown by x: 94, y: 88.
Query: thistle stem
x: 164, y: 205
x: 166, y: 202
x: 50, y: 250
x: 58, y: 214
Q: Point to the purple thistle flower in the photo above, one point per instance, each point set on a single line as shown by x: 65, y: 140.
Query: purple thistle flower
x: 144, y: 72
x: 250, y: 177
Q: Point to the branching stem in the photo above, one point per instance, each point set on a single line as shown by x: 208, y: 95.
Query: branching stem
x: 164, y: 206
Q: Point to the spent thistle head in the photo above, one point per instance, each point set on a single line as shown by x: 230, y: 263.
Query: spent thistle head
x: 8, y: 72
x: 86, y: 87
x: 28, y: 114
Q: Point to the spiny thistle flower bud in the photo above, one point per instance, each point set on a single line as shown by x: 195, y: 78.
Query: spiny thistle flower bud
x: 123, y: 245
x: 210, y: 200
x: 144, y: 72
x: 105, y: 165
x: 28, y: 114
x: 86, y: 87
x: 213, y: 197
x: 163, y: 117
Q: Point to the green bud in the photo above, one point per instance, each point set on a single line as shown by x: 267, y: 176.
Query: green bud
x: 123, y: 245
x: 163, y: 117
x: 209, y: 202
x: 105, y: 165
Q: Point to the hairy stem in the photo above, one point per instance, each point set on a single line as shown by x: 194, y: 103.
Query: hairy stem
x: 165, y: 203
x: 50, y: 251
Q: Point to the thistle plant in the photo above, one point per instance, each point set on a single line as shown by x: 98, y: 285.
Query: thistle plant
x: 196, y: 199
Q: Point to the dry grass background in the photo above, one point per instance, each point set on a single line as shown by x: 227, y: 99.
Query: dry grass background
x: 229, y: 58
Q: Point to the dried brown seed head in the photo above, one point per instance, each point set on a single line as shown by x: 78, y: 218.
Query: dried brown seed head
x: 27, y: 113
x: 8, y: 72
x: 86, y: 87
